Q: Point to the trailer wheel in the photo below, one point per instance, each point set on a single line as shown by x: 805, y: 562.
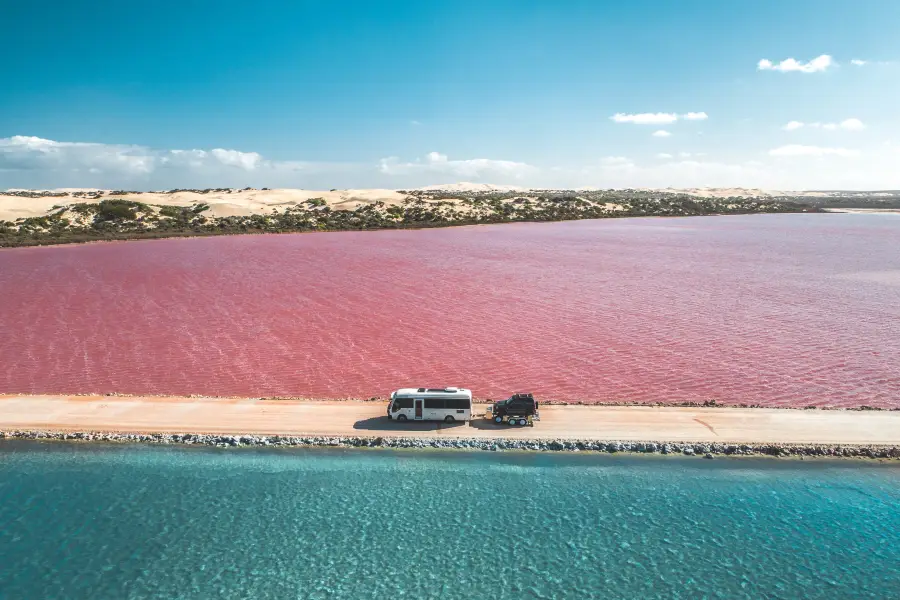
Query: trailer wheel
x: 401, y: 418
x: 522, y: 421
x: 498, y: 419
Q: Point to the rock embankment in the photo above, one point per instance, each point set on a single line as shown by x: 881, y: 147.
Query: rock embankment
x: 700, y: 449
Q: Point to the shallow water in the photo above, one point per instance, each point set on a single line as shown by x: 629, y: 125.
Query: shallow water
x: 770, y: 309
x: 138, y: 522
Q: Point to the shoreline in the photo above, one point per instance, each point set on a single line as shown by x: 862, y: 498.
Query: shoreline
x: 249, y: 422
x: 49, y: 242
x: 121, y: 216
x: 863, y: 211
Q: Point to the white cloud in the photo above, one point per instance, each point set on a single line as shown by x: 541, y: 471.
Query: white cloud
x: 663, y: 155
x: 645, y: 118
x: 28, y: 152
x: 818, y: 64
x: 661, y: 133
x: 435, y: 162
x: 800, y: 150
x: 38, y: 162
x: 415, y: 123
x: 851, y: 124
x: 657, y: 118
x: 184, y: 158
x: 243, y: 160
x: 869, y: 63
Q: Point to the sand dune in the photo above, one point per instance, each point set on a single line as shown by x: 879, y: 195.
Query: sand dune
x: 222, y: 204
x: 725, y: 192
x: 16, y: 204
x: 472, y: 187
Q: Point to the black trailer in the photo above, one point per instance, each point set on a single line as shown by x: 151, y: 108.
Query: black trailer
x: 518, y: 409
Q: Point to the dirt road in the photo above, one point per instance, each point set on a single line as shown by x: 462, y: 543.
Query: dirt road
x: 331, y: 418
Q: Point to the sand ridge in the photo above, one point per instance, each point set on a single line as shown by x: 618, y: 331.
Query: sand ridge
x: 226, y: 203
x: 19, y: 203
x: 16, y: 204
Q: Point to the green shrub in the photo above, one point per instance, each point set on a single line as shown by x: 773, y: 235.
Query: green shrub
x: 176, y: 212
x: 117, y: 210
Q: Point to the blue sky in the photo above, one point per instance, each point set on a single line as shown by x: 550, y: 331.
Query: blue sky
x: 323, y: 94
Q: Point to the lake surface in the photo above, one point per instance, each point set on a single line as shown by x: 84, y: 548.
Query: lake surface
x: 779, y: 310
x: 139, y: 522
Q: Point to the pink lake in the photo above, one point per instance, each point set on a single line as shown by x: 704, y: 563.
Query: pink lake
x: 778, y: 310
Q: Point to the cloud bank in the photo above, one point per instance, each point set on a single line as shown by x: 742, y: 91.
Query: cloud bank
x: 36, y: 163
x: 32, y: 162
x: 645, y: 118
x: 27, y: 161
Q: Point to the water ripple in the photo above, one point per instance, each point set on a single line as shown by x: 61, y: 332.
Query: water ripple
x: 779, y: 310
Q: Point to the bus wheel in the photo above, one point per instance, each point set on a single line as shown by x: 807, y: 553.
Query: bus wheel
x: 449, y: 419
x: 401, y: 418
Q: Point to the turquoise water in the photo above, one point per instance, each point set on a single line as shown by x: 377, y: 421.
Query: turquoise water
x: 141, y: 522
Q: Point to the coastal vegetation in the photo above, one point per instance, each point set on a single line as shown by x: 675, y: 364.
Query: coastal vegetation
x: 118, y: 215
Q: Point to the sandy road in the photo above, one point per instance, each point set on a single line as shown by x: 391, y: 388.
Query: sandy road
x: 333, y: 418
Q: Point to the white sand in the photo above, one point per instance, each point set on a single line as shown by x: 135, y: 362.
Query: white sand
x: 864, y: 211
x: 222, y: 204
x: 472, y: 187
x: 724, y: 192
x: 250, y: 202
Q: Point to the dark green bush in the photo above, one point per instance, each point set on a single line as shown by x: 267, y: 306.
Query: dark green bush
x: 116, y: 210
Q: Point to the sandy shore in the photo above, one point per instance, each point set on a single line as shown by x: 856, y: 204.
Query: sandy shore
x: 864, y: 211
x: 331, y: 418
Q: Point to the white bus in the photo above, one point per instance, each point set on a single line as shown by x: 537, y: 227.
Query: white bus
x: 430, y: 404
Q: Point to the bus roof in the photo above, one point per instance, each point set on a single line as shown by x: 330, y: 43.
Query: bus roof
x: 434, y: 392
